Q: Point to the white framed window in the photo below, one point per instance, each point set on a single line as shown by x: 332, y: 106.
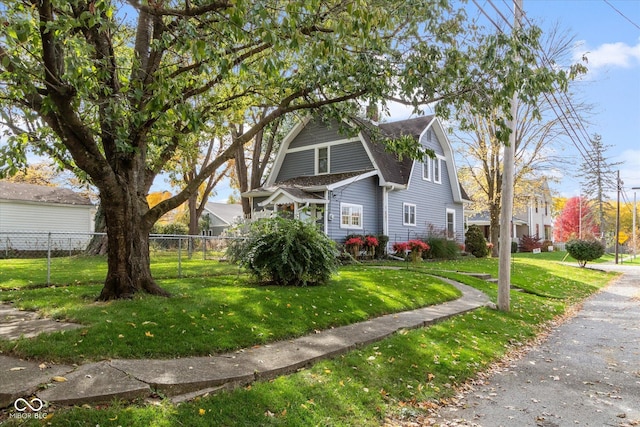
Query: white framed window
x: 350, y: 216
x: 322, y: 160
x: 408, y: 214
x: 437, y: 170
x: 426, y: 169
x: 451, y: 224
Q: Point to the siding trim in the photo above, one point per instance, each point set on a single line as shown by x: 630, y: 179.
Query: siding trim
x: 283, y: 148
x: 323, y: 144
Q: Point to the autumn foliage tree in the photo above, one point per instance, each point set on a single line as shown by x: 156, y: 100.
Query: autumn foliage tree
x: 576, y: 221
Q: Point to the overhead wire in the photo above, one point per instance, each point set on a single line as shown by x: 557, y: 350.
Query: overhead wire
x: 565, y: 121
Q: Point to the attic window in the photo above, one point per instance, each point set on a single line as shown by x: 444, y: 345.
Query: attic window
x: 426, y: 169
x: 322, y: 160
x: 437, y: 170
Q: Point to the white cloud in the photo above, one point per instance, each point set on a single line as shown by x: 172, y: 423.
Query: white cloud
x: 608, y: 55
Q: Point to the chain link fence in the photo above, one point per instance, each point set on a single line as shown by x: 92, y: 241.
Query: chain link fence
x: 50, y: 248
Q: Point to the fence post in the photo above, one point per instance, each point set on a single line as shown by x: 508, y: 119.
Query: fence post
x: 179, y: 256
x: 49, y: 258
x: 204, y: 248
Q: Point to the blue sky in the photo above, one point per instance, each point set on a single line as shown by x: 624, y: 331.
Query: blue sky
x: 611, y: 43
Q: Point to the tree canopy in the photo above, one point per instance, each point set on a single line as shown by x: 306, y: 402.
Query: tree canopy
x: 111, y: 90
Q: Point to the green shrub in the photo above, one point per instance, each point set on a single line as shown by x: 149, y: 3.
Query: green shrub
x: 529, y: 243
x: 514, y: 247
x: 381, y: 249
x: 546, y: 244
x: 286, y: 252
x: 174, y: 228
x: 442, y: 248
x: 585, y: 250
x: 475, y: 242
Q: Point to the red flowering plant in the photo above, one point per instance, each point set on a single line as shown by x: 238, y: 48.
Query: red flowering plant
x: 354, y: 241
x: 417, y: 247
x: 401, y: 248
x: 370, y: 244
x: 353, y: 245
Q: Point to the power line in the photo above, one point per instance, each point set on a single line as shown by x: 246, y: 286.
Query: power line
x: 577, y: 141
x: 622, y: 14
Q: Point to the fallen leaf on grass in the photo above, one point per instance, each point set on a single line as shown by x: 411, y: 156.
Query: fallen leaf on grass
x: 58, y: 379
x: 148, y: 334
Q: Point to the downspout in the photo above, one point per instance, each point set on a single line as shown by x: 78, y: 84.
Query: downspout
x: 327, y: 210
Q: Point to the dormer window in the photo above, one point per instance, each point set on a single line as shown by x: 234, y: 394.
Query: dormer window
x: 322, y: 160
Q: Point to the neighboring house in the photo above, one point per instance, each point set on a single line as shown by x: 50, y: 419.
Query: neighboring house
x: 28, y: 212
x: 538, y: 215
x: 533, y: 220
x: 352, y: 185
x: 217, y: 217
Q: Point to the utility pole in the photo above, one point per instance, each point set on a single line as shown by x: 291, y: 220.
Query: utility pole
x: 618, y: 184
x: 635, y: 244
x: 506, y: 210
x: 635, y: 247
x: 580, y: 216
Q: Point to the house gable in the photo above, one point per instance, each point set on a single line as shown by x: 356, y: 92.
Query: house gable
x: 299, y: 152
x: 435, y: 138
x: 364, y: 187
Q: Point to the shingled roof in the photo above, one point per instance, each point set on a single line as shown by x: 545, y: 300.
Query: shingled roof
x: 39, y: 193
x: 391, y: 167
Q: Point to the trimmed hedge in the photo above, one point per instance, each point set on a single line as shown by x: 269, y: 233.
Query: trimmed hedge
x: 475, y: 243
x: 585, y: 250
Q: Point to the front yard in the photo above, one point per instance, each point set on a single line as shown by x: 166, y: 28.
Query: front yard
x: 403, y: 374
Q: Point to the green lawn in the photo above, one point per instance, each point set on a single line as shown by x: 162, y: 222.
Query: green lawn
x: 220, y: 312
x: 399, y: 376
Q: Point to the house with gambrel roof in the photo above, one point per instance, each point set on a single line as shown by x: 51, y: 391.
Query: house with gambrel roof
x: 351, y: 184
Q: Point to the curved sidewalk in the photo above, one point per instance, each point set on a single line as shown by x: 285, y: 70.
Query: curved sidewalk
x: 186, y: 378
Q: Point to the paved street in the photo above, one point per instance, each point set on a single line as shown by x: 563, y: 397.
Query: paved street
x: 586, y: 374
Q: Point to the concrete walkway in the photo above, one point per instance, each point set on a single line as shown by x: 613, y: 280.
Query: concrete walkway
x: 587, y: 373
x: 186, y: 378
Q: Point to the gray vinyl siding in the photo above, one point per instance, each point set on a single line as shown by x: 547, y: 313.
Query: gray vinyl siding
x: 316, y: 133
x: 366, y: 193
x: 431, y: 200
x: 346, y: 157
x: 349, y: 157
x: 298, y: 163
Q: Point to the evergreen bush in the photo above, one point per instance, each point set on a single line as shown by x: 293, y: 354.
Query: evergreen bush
x: 475, y: 242
x: 288, y: 252
x: 585, y: 250
x: 442, y: 248
x: 381, y: 249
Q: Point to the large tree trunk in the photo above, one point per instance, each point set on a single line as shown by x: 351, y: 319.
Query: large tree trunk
x: 193, y: 215
x: 129, y: 266
x: 99, y: 243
